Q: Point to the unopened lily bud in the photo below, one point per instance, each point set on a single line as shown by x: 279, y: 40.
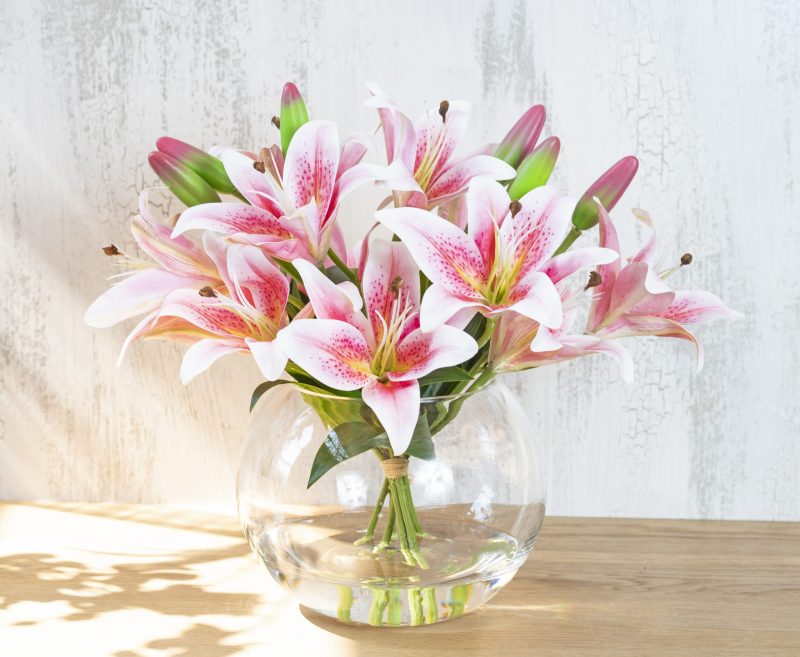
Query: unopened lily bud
x: 686, y: 259
x: 293, y: 114
x: 536, y: 168
x: 443, y: 107
x: 181, y: 180
x: 608, y: 189
x: 521, y: 139
x: 111, y: 250
x: 208, y: 167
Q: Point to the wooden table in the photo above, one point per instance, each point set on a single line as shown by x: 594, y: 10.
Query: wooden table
x: 153, y: 581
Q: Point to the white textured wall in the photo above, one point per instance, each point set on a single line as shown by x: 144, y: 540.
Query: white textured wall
x: 706, y: 93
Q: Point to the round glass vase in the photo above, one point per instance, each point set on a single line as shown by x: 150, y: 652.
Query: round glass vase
x: 472, y: 509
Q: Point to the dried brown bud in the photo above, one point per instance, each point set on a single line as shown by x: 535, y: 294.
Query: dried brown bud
x: 111, y: 250
x: 258, y: 165
x: 686, y: 259
x: 207, y: 291
x: 443, y: 107
x: 276, y: 122
x: 595, y: 279
x: 396, y: 284
x: 514, y: 207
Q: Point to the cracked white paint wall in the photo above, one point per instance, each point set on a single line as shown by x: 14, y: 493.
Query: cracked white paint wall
x: 707, y: 94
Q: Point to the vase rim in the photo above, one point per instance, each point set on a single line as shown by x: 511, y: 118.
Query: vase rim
x: 423, y: 400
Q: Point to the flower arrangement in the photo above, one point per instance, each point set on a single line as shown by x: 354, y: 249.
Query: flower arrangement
x: 475, y: 276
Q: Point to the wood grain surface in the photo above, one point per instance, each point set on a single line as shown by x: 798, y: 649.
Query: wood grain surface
x: 706, y: 93
x: 94, y: 580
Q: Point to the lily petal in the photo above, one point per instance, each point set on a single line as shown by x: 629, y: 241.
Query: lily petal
x: 201, y: 355
x: 487, y: 207
x: 229, y: 219
x: 390, y: 275
x: 259, y: 283
x: 312, y: 162
x: 396, y: 404
x: 269, y: 357
x: 255, y: 186
x: 330, y: 350
x: 443, y: 251
x: 565, y: 264
x: 536, y: 297
x: 135, y: 295
x: 440, y: 306
x: 692, y: 307
x: 456, y: 177
x: 601, y: 299
x: 420, y: 353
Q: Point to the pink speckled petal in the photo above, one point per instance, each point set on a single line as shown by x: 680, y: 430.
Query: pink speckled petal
x: 566, y: 264
x: 538, y: 228
x: 217, y: 315
x: 487, y: 207
x: 258, y: 188
x: 396, y: 404
x: 134, y: 295
x: 331, y: 351
x: 443, y: 251
x: 180, y: 255
x: 436, y: 140
x: 258, y: 283
x: 353, y: 150
x: 330, y: 301
x: 420, y: 353
x: 390, y: 277
x: 398, y: 130
x: 229, y: 219
x: 692, y: 307
x: 631, y: 295
x: 269, y: 357
x: 312, y: 162
x: 456, y: 177
x: 601, y: 298
x: 536, y: 297
x: 440, y: 306
x: 202, y: 355
x: 648, y: 252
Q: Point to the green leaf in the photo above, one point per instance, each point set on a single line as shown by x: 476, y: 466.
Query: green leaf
x: 344, y: 442
x: 261, y: 388
x: 445, y: 375
x: 421, y: 444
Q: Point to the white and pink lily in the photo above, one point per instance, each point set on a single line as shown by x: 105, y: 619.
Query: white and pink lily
x: 425, y: 150
x: 636, y: 300
x: 384, y: 353
x: 243, y: 315
x: 291, y: 205
x: 519, y: 343
x: 504, y: 262
x: 177, y: 263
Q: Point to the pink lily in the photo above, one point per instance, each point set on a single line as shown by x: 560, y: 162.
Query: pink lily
x: 425, y: 151
x: 635, y: 299
x: 503, y: 263
x: 291, y: 205
x: 384, y: 353
x: 178, y: 263
x: 519, y: 343
x: 244, y: 315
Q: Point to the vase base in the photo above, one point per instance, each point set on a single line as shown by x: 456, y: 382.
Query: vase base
x: 334, y: 570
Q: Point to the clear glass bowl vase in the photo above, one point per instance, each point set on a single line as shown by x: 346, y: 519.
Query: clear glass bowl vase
x: 476, y: 507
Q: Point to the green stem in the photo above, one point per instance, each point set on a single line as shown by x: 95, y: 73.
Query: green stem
x: 568, y: 241
x: 431, y: 605
x: 394, y: 497
x: 386, y: 539
x: 379, y: 599
x: 351, y: 275
x: 376, y: 512
x: 415, y: 606
x: 345, y: 604
x: 394, y: 609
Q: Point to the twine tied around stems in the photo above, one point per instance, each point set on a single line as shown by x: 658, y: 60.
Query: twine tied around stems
x: 395, y: 467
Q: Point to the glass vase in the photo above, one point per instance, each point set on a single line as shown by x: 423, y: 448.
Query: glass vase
x: 371, y: 542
